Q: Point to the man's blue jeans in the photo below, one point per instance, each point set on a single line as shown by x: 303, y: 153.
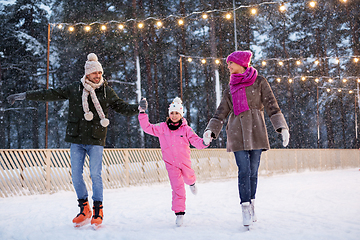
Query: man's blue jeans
x: 77, y: 156
x: 248, y: 164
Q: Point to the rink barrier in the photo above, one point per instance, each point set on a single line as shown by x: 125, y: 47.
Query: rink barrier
x: 40, y: 171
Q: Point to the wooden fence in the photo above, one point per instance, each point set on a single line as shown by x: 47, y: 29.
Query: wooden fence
x: 39, y: 171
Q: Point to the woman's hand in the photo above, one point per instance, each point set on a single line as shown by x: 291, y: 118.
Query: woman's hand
x: 207, y: 137
x: 285, y: 136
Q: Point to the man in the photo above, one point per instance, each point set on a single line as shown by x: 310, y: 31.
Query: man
x: 89, y: 103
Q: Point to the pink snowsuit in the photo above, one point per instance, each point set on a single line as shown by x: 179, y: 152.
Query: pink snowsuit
x: 175, y: 150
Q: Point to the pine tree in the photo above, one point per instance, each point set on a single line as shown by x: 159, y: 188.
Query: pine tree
x: 23, y: 47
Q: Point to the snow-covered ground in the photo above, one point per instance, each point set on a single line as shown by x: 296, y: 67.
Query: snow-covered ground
x: 309, y: 205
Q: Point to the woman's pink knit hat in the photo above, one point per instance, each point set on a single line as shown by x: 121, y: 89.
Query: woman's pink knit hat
x: 242, y: 58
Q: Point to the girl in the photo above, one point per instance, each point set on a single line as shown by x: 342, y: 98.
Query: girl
x: 244, y: 102
x: 175, y: 135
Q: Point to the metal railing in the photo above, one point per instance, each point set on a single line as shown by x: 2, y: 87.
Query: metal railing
x: 39, y: 171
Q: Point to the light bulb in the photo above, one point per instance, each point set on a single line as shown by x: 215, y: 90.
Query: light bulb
x: 282, y: 8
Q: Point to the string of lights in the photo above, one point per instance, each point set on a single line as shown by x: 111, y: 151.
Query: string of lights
x: 317, y: 79
x: 340, y: 90
x: 299, y: 61
x: 281, y: 61
x: 329, y: 89
x: 159, y: 21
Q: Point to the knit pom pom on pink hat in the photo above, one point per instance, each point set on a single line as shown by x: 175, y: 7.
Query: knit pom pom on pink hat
x: 242, y: 58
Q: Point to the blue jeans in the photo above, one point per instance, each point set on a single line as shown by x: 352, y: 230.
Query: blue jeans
x: 77, y: 156
x: 248, y: 164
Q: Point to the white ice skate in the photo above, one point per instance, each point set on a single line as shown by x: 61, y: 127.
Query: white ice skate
x: 193, y: 189
x: 246, y: 213
x: 179, y: 220
x: 252, y: 207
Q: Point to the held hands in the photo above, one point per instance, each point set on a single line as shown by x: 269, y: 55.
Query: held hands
x: 285, y: 136
x: 18, y: 96
x: 207, y: 137
x: 143, y: 105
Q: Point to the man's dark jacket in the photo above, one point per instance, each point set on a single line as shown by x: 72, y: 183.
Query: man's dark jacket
x: 79, y: 130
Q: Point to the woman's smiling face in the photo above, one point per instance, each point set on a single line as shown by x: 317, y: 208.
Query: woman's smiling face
x: 235, y: 68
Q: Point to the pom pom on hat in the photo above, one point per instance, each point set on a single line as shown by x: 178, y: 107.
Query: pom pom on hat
x: 176, y: 106
x: 242, y: 58
x: 92, y: 64
x: 92, y: 57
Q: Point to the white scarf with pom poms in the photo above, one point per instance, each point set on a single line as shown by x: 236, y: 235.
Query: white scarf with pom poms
x: 89, y: 88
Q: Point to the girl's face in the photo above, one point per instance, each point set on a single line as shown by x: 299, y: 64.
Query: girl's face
x: 175, y: 116
x: 235, y: 68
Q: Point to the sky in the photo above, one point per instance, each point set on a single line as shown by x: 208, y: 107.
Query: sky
x: 308, y: 205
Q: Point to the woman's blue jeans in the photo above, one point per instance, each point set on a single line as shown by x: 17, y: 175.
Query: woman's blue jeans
x: 77, y: 156
x: 248, y: 164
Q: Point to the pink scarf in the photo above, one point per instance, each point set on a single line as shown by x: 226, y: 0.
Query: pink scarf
x: 238, y: 82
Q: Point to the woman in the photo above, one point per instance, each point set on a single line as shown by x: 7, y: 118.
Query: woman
x: 244, y: 102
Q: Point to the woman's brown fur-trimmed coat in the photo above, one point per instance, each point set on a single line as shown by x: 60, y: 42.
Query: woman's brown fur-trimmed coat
x: 247, y: 131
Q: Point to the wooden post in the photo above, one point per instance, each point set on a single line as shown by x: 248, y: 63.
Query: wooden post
x: 235, y: 35
x: 317, y: 116
x: 47, y: 87
x: 181, y: 87
x: 356, y: 124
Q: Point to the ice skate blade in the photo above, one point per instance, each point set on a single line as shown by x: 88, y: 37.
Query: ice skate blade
x: 83, y: 223
x: 96, y: 226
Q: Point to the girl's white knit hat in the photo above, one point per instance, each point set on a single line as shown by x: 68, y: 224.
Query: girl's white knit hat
x: 92, y: 64
x: 176, y: 105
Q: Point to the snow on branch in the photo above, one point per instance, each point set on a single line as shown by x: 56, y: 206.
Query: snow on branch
x: 32, y: 45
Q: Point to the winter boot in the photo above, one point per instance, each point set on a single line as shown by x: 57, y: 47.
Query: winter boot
x: 85, y: 213
x: 246, y: 213
x: 252, y: 207
x: 179, y: 218
x: 97, y: 214
x: 193, y: 189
